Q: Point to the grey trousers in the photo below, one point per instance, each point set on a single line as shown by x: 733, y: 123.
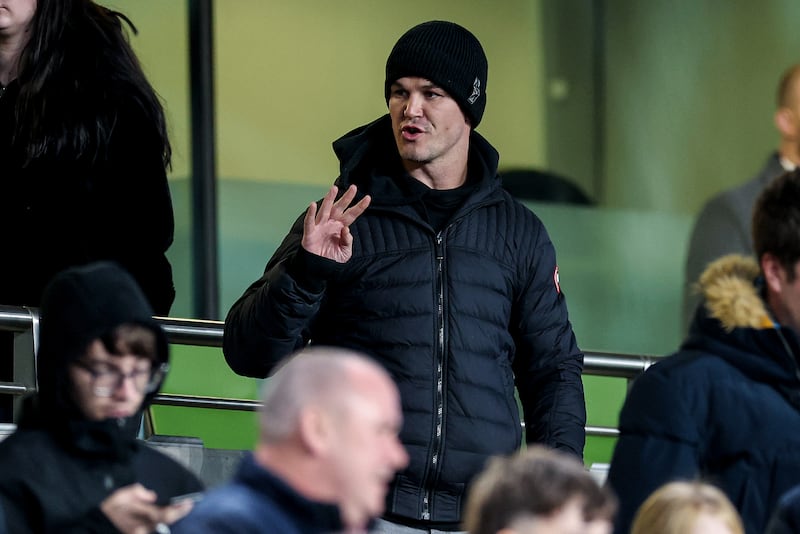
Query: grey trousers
x: 385, y: 527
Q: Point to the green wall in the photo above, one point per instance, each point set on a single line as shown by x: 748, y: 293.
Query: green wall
x: 690, y: 96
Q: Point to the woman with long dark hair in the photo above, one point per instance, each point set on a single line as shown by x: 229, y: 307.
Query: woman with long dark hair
x: 83, y: 152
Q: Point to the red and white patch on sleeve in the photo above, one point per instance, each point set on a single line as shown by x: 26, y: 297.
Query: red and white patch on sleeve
x: 556, y: 281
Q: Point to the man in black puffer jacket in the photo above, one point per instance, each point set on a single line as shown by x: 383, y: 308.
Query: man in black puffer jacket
x: 445, y: 280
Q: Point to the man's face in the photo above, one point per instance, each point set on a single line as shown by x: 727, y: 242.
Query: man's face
x: 599, y: 526
x: 787, y: 120
x: 566, y: 520
x: 366, y: 451
x: 429, y: 126
x: 794, y: 107
x: 15, y: 16
x: 783, y: 292
x: 97, y: 367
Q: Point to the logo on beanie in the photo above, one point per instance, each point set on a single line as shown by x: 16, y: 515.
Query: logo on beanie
x: 476, y: 91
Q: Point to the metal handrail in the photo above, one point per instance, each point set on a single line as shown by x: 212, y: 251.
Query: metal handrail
x: 209, y: 334
x: 14, y: 319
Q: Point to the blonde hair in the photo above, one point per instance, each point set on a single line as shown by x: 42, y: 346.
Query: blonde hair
x: 674, y: 508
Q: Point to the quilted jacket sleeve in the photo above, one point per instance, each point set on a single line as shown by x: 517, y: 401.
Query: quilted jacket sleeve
x: 548, y: 363
x: 272, y: 318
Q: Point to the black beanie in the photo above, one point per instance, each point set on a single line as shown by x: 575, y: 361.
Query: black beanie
x: 449, y: 56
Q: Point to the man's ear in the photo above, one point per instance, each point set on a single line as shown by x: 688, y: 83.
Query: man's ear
x: 314, y: 430
x: 786, y: 123
x: 775, y: 275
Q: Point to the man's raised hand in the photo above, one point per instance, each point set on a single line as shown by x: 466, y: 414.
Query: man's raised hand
x: 326, y: 232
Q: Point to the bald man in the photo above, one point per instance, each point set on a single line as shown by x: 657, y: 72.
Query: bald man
x: 327, y: 450
x: 723, y: 226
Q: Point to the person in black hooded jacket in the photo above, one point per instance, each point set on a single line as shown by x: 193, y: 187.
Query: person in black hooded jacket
x: 72, y: 465
x: 426, y: 264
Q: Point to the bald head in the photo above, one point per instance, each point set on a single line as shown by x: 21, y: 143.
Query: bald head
x: 787, y: 87
x: 315, y: 376
x: 329, y: 428
x: 787, y: 115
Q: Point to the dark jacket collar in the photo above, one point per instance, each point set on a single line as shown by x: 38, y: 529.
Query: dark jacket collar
x: 368, y: 158
x: 310, y: 516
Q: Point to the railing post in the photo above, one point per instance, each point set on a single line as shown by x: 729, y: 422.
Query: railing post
x: 24, y: 364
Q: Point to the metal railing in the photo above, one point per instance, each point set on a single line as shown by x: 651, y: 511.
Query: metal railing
x: 24, y: 323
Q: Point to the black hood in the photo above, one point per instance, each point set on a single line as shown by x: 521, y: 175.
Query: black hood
x: 79, y: 305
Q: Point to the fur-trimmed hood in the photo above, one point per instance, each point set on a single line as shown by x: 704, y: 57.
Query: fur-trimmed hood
x: 735, y: 324
x: 731, y: 295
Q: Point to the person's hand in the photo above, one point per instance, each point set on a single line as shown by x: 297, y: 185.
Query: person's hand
x: 326, y: 232
x: 132, y: 509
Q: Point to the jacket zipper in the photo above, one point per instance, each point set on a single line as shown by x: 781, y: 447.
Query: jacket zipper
x: 440, y: 345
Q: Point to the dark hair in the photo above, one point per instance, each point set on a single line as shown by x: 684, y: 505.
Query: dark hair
x: 534, y: 482
x: 79, y: 62
x: 776, y: 221
x: 132, y: 339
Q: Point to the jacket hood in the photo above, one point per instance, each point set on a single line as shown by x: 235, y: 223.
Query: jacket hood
x: 79, y: 305
x: 735, y: 324
x: 368, y: 156
x: 731, y: 296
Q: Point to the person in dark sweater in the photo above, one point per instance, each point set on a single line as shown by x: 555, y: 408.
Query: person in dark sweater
x: 72, y: 465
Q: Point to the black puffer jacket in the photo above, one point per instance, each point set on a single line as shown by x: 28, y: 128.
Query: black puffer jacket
x: 58, y: 467
x: 458, y: 318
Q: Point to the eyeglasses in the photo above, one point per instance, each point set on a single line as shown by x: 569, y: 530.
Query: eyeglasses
x: 106, y: 381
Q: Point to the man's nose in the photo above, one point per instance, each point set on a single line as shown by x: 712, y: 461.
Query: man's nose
x: 413, y: 106
x: 400, y: 455
x: 125, y: 387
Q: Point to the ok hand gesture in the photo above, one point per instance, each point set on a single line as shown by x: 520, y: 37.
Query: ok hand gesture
x: 327, y: 233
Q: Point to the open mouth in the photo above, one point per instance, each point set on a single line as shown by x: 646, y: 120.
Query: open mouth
x: 411, y: 132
